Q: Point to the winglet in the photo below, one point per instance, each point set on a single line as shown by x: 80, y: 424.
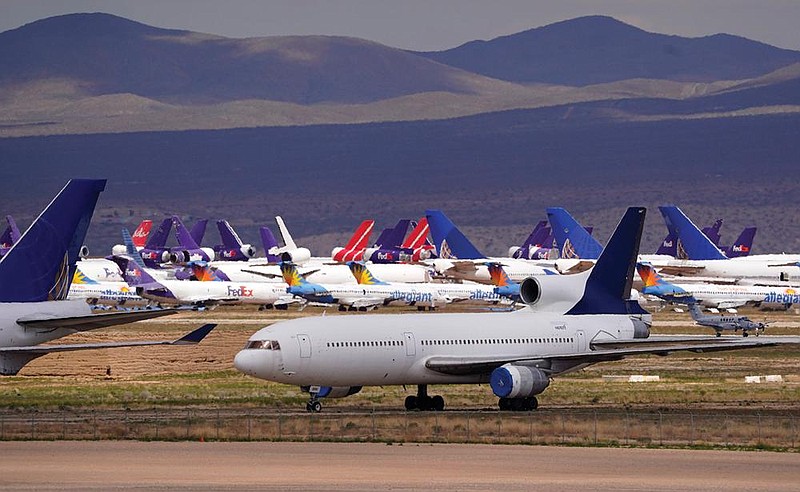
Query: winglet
x: 196, y: 336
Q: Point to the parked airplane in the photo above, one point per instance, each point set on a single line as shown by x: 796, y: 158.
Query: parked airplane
x: 460, y: 259
x: 422, y: 295
x: 570, y: 322
x: 290, y: 251
x: 10, y: 235
x: 722, y: 322
x: 711, y: 295
x: 354, y: 249
x: 35, y: 277
x: 232, y: 248
x: 183, y: 292
x: 386, y: 248
x: 742, y: 245
x: 538, y: 245
x: 350, y: 297
x: 96, y: 292
x: 710, y: 262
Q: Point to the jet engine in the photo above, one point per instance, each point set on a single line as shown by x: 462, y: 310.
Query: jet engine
x: 248, y: 250
x: 296, y: 256
x: 118, y: 250
x: 83, y: 252
x: 185, y: 256
x: 514, y: 381
x: 553, y: 292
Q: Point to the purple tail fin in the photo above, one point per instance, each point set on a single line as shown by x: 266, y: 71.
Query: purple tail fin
x: 392, y: 237
x: 132, y: 273
x: 230, y: 240
x: 537, y: 235
x: 669, y: 246
x: 40, y: 266
x: 742, y: 245
x: 184, y: 237
x: 712, y: 232
x: 268, y: 241
x: 11, y: 235
x: 198, y: 231
x: 158, y: 239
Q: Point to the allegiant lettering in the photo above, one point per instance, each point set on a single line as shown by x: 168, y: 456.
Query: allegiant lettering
x: 411, y: 296
x: 782, y: 298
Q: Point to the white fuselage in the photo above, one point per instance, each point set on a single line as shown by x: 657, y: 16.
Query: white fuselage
x: 517, y: 269
x: 393, y: 349
x: 189, y: 292
x: 324, y: 273
x: 104, y: 292
x: 725, y: 296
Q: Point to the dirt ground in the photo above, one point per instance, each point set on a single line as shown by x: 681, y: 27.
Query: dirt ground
x: 355, y: 467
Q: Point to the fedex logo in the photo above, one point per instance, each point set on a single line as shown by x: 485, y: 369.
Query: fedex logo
x: 387, y: 256
x: 133, y: 272
x: 667, y: 244
x: 740, y: 248
x: 149, y: 255
x: 241, y: 291
x: 229, y: 254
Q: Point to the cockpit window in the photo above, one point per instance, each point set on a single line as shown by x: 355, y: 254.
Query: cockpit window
x: 263, y: 344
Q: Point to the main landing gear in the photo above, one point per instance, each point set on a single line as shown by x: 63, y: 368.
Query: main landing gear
x: 424, y: 402
x: 519, y: 404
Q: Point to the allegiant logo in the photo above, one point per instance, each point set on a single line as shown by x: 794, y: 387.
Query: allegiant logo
x: 789, y: 297
x: 411, y: 296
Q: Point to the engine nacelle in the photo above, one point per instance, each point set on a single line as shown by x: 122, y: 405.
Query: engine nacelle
x: 248, y: 250
x: 119, y: 250
x: 83, y: 252
x: 514, y: 252
x: 512, y: 381
x: 556, y: 292
x: 297, y: 255
x: 335, y: 391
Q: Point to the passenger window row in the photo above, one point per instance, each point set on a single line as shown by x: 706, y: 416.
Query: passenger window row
x: 372, y: 343
x: 497, y: 341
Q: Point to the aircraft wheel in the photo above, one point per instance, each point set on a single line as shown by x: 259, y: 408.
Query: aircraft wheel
x: 532, y: 403
x: 362, y: 308
x: 314, y: 406
x: 745, y: 334
x: 283, y: 307
x: 437, y: 403
x: 719, y: 334
x: 420, y: 308
x: 504, y: 404
x: 342, y: 308
x: 411, y: 402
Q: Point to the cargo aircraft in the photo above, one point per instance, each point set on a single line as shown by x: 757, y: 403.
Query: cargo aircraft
x: 569, y: 322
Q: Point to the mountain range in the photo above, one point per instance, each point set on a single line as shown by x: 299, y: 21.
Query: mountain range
x: 591, y: 114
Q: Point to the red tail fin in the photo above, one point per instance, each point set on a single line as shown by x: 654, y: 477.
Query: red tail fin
x: 418, y: 236
x: 141, y: 232
x: 361, y: 236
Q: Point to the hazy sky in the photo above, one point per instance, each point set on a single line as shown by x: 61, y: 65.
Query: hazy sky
x: 429, y: 24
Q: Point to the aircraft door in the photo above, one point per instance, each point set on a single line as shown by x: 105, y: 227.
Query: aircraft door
x: 411, y: 348
x: 580, y: 341
x: 305, y: 346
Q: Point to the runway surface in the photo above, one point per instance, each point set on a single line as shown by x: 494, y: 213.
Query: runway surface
x: 131, y: 465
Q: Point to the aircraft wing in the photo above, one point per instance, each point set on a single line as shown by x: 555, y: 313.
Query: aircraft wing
x: 36, y: 350
x: 606, y: 352
x: 681, y: 271
x: 358, y: 302
x: 91, y: 321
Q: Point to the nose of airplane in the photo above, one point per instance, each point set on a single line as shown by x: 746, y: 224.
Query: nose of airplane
x: 255, y: 362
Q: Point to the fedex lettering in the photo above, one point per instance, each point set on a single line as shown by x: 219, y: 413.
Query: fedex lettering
x: 241, y: 291
x: 388, y: 256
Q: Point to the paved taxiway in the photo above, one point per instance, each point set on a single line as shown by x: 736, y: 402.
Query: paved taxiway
x: 108, y: 465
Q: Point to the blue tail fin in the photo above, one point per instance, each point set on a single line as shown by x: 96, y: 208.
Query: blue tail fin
x: 268, y: 241
x: 40, y: 266
x: 184, y: 237
x: 655, y: 284
x: 448, y: 240
x: 691, y: 242
x: 199, y: 231
x: 158, y: 239
x: 130, y: 248
x: 742, y: 245
x: 608, y: 285
x: 572, y: 239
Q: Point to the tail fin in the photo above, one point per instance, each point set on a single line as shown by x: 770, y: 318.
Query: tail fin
x: 449, y: 241
x: 40, y: 266
x: 608, y: 284
x: 287, y: 238
x: 130, y: 248
x: 362, y: 274
x: 572, y: 239
x: 141, y: 233
x: 393, y: 236
x: 360, y: 237
x: 230, y: 240
x: 498, y: 275
x: 290, y: 274
x: 198, y: 231
x: 537, y: 236
x: 418, y: 236
x: 158, y: 239
x: 184, y: 237
x: 691, y: 240
x: 712, y: 232
x: 268, y: 241
x: 11, y: 235
x: 132, y: 273
x: 695, y: 311
x: 649, y: 275
x: 668, y: 246
x: 743, y: 244
x: 80, y: 278
x: 655, y: 284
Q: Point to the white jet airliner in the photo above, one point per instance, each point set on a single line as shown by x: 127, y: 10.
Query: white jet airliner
x: 570, y: 322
